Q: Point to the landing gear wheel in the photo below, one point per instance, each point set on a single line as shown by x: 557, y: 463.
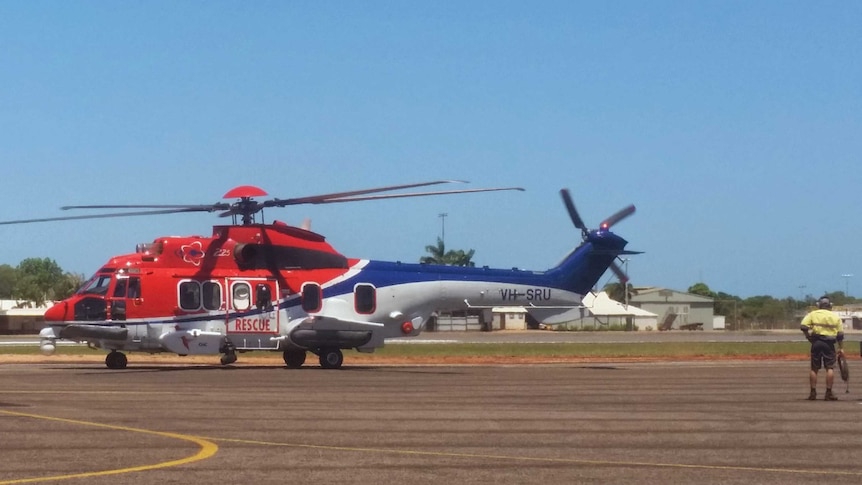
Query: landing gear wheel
x: 116, y: 360
x: 294, y: 358
x: 331, y: 358
x: 228, y: 358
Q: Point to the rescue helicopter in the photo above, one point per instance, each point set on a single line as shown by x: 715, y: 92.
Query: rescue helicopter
x: 257, y: 286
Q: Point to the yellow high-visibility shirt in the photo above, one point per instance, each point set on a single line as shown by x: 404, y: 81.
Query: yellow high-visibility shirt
x: 823, y: 322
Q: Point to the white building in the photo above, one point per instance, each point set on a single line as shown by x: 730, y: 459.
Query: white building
x: 597, y: 311
x: 21, y: 317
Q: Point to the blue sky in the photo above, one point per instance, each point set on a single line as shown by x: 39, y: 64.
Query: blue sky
x: 735, y: 127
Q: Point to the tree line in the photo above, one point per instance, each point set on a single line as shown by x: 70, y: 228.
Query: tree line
x: 37, y: 280
x: 756, y: 312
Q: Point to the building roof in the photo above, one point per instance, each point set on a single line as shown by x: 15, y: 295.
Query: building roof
x: 655, y: 294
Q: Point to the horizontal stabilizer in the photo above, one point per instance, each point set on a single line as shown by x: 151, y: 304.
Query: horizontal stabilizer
x: 613, y: 252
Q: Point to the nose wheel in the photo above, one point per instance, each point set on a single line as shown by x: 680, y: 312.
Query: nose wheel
x: 116, y: 360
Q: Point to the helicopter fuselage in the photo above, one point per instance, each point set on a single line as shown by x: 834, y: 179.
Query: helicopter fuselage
x: 280, y: 288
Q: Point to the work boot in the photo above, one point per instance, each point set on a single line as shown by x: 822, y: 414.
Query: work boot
x: 829, y: 396
x: 813, y: 395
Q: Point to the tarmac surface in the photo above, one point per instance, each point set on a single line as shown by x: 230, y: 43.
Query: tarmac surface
x: 737, y: 422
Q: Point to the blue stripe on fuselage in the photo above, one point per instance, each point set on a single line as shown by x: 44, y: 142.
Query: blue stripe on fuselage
x: 382, y: 274
x: 578, y: 272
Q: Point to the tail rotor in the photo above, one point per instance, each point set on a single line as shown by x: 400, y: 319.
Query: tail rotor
x: 604, y: 226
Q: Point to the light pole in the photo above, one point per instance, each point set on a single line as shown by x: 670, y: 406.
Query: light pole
x: 847, y: 277
x: 442, y: 217
x: 626, y: 284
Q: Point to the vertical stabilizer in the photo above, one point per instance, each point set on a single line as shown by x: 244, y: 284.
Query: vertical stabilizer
x: 582, y: 269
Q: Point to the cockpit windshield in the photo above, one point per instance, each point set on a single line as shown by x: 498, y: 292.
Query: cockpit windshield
x: 97, y: 285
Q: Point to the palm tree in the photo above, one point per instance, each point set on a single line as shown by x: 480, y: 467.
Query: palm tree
x: 439, y: 255
x: 460, y: 258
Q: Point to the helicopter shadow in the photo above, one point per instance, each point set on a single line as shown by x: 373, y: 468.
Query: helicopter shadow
x: 596, y: 367
x: 148, y: 369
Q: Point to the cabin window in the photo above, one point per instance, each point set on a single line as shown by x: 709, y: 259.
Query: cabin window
x: 241, y: 296
x: 211, y: 295
x: 190, y: 295
x: 312, y: 298
x: 365, y: 299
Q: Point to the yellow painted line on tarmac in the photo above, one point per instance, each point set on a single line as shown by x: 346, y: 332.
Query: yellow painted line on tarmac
x: 89, y: 391
x: 207, y: 449
x: 537, y: 459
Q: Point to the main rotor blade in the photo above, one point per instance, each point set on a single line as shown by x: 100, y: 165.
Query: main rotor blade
x: 620, y: 215
x: 398, y: 196
x: 199, y: 207
x: 316, y: 199
x: 246, y: 207
x: 103, y: 216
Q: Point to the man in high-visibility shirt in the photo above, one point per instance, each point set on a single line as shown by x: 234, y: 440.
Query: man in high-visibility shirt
x: 823, y: 329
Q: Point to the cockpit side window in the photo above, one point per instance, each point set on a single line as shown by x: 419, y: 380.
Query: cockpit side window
x: 134, y: 290
x: 127, y: 287
x: 120, y: 287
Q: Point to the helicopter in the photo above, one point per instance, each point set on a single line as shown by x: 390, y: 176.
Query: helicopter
x: 257, y: 286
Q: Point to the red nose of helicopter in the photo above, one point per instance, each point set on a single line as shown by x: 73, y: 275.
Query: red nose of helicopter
x: 56, y: 313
